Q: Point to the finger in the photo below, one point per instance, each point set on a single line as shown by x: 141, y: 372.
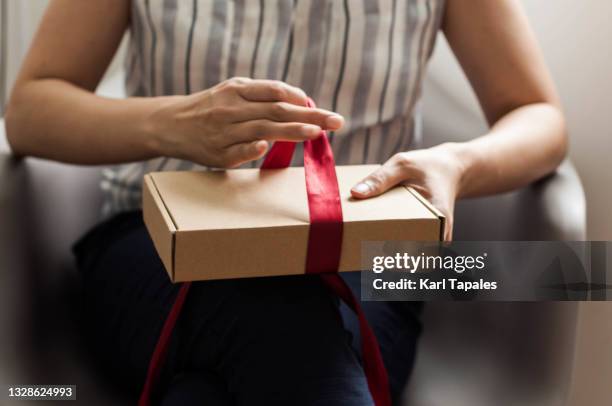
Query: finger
x: 237, y: 154
x: 379, y: 181
x: 448, y: 231
x: 272, y: 91
x: 288, y: 113
x: 274, y: 131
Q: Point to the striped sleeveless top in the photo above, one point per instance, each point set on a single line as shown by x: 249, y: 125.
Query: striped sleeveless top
x: 364, y: 59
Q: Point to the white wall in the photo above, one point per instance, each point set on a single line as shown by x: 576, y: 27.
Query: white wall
x: 592, y: 375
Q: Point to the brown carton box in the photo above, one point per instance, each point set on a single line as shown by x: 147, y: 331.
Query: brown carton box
x: 247, y: 222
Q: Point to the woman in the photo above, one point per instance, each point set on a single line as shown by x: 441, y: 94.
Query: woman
x: 213, y: 83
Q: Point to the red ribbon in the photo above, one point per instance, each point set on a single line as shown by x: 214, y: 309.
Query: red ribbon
x: 161, y: 348
x: 323, y: 257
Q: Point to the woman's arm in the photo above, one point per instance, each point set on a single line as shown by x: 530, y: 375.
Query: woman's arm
x: 499, y: 54
x: 53, y: 112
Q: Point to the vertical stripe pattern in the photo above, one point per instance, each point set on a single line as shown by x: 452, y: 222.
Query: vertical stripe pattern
x: 364, y: 59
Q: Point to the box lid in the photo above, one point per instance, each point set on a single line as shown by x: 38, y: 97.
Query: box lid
x: 251, y: 198
x: 228, y: 219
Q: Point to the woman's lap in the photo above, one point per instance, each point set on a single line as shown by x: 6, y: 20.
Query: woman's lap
x: 254, y: 341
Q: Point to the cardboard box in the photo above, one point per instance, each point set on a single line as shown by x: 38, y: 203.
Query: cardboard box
x: 246, y: 222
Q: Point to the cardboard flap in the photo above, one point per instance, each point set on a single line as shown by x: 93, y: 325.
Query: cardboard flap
x: 159, y: 223
x: 431, y: 208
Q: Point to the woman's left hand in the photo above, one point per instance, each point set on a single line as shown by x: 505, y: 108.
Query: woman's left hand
x: 434, y: 172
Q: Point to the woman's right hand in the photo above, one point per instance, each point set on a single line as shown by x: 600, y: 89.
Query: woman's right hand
x: 234, y: 121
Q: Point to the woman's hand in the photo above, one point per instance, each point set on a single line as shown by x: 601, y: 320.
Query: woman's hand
x: 435, y: 173
x: 232, y: 123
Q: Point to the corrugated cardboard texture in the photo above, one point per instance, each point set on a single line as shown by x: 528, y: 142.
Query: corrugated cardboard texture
x: 247, y: 222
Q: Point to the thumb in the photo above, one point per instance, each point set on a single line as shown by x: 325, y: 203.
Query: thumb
x: 378, y: 182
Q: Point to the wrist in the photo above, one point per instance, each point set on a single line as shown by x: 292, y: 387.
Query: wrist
x: 156, y: 127
x: 464, y: 161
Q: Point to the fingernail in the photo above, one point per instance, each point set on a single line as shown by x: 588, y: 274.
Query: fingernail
x: 362, y: 188
x: 302, y: 93
x: 261, y: 145
x: 310, y: 130
x: 334, y: 121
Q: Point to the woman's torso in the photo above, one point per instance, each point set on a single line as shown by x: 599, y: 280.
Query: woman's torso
x: 364, y: 59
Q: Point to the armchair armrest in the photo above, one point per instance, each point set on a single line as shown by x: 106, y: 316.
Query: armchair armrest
x: 37, y: 307
x: 513, y: 353
x: 554, y: 208
x: 15, y: 307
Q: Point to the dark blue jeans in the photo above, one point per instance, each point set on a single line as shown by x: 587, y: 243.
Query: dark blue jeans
x: 260, y: 341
